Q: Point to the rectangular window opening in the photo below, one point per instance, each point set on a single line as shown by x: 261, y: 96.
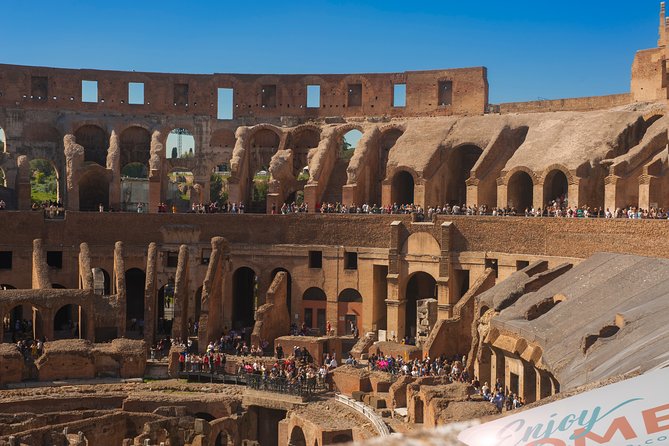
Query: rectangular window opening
x: 54, y: 259
x: 313, y: 96
x: 350, y: 260
x: 180, y: 94
x: 225, y: 103
x: 135, y: 92
x: 89, y: 91
x: 354, y: 95
x: 399, y: 95
x: 492, y: 264
x: 315, y: 259
x: 522, y: 264
x: 268, y: 96
x: 39, y: 88
x: 172, y: 259
x: 5, y: 259
x: 445, y: 96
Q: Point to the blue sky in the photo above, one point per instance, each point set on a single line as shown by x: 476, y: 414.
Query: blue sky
x: 533, y: 49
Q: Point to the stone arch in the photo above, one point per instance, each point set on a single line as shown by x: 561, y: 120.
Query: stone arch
x: 95, y: 141
x: 340, y: 160
x: 244, y: 297
x: 520, y: 188
x: 314, y: 293
x: 180, y: 143
x: 135, y: 145
x: 45, y: 181
x: 556, y: 180
x: 17, y: 322
x: 69, y: 322
x: 421, y: 244
x: 420, y: 285
x: 300, y: 141
x: 349, y: 307
x: 135, y: 280
x: 461, y: 160
x: 94, y: 189
x: 101, y: 281
x: 264, y: 142
x: 297, y: 437
x: 289, y: 290
x: 402, y: 187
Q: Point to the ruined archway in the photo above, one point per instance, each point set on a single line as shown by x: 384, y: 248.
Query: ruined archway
x: 135, y: 280
x: 180, y: 143
x: 349, y: 306
x: 244, y: 297
x: 387, y: 141
x: 556, y: 187
x: 300, y: 142
x: 17, y: 323
x: 43, y: 182
x: 93, y: 190
x: 180, y: 183
x: 297, y: 437
x: 520, y: 193
x: 95, y: 142
x: 101, y: 282
x: 264, y: 144
x: 421, y: 285
x: 458, y: 169
x: 135, y: 143
x: 403, y: 188
x: 69, y: 322
x: 347, y: 143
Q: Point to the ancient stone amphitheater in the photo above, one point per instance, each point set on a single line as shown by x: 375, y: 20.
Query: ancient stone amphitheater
x: 540, y: 304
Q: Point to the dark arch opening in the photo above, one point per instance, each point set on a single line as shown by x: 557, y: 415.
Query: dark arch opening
x: 297, y: 437
x: 180, y: 144
x: 204, y: 416
x: 520, y: 192
x: 387, y: 142
x: 314, y: 293
x: 349, y: 295
x: 556, y: 187
x: 17, y: 323
x: 68, y: 322
x: 289, y: 287
x: 198, y: 307
x: 95, y: 142
x: 421, y: 285
x: 135, y: 280
x: 483, y: 311
x: 403, y: 188
x: 460, y: 164
x: 93, y: 191
x: 245, y: 295
x: 101, y: 282
x: 165, y: 313
x: 221, y: 439
x: 264, y: 144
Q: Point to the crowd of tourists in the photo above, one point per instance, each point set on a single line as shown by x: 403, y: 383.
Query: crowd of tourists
x: 453, y: 367
x: 51, y: 208
x: 503, y: 400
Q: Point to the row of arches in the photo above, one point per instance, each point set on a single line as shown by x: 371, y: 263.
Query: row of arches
x: 25, y: 322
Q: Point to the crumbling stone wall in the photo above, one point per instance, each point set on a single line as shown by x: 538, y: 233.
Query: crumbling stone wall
x: 272, y: 318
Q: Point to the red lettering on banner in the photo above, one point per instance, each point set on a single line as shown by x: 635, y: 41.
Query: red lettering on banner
x: 652, y: 421
x: 619, y: 424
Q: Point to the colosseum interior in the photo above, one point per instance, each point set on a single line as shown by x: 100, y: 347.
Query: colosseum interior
x: 128, y: 266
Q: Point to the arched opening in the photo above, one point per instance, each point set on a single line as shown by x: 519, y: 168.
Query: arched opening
x: 180, y: 144
x: 221, y: 439
x: 388, y: 140
x: 421, y: 285
x: 264, y: 144
x: 101, y: 282
x: 338, y: 176
x: 179, y: 189
x: 289, y: 293
x: 483, y: 311
x: 297, y: 437
x: 300, y: 143
x: 135, y: 145
x: 556, y: 189
x: 460, y: 163
x: 218, y: 185
x: 69, y: 322
x: 245, y: 297
x: 520, y: 192
x: 135, y: 280
x: 314, y: 302
x: 17, y: 324
x: 3, y: 141
x: 95, y: 142
x: 165, y: 313
x: 93, y: 191
x: 403, y: 188
x: 43, y: 182
x: 349, y: 307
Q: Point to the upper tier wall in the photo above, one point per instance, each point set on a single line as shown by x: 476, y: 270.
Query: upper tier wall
x: 284, y: 95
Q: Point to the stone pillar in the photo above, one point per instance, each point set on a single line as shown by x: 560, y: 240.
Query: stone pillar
x: 419, y: 194
x: 311, y: 196
x: 538, y: 195
x: 396, y: 314
x: 497, y: 369
x: 40, y: 273
x: 74, y: 158
x: 502, y: 190
x: 114, y: 164
x: 90, y: 324
x: 528, y: 383
x: 23, y: 184
x: 273, y: 199
x: 348, y: 193
x: 119, y: 281
x: 611, y: 192
x: 574, y: 194
x: 151, y: 295
x: 647, y: 186
x: 386, y: 193
x: 180, y: 324
x: 445, y: 306
x: 473, y: 191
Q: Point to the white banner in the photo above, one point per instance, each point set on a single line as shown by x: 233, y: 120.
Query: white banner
x: 634, y: 412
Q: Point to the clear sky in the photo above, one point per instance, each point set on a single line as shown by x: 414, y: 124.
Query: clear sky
x: 533, y: 49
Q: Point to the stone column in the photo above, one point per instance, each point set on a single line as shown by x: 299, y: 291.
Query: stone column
x: 611, y: 192
x: 119, y: 281
x: 180, y: 325
x: 538, y: 196
x: 151, y: 294
x: 114, y: 164
x: 23, y: 184
x: 647, y: 185
x: 74, y: 158
x: 502, y: 190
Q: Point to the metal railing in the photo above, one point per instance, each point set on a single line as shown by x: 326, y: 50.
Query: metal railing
x: 368, y: 412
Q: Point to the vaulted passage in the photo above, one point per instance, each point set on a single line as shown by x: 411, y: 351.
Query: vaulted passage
x: 93, y: 190
x: 95, y: 142
x: 244, y: 295
x: 460, y: 164
x: 134, y: 282
x: 556, y: 187
x: 403, y: 188
x: 520, y: 193
x: 421, y: 285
